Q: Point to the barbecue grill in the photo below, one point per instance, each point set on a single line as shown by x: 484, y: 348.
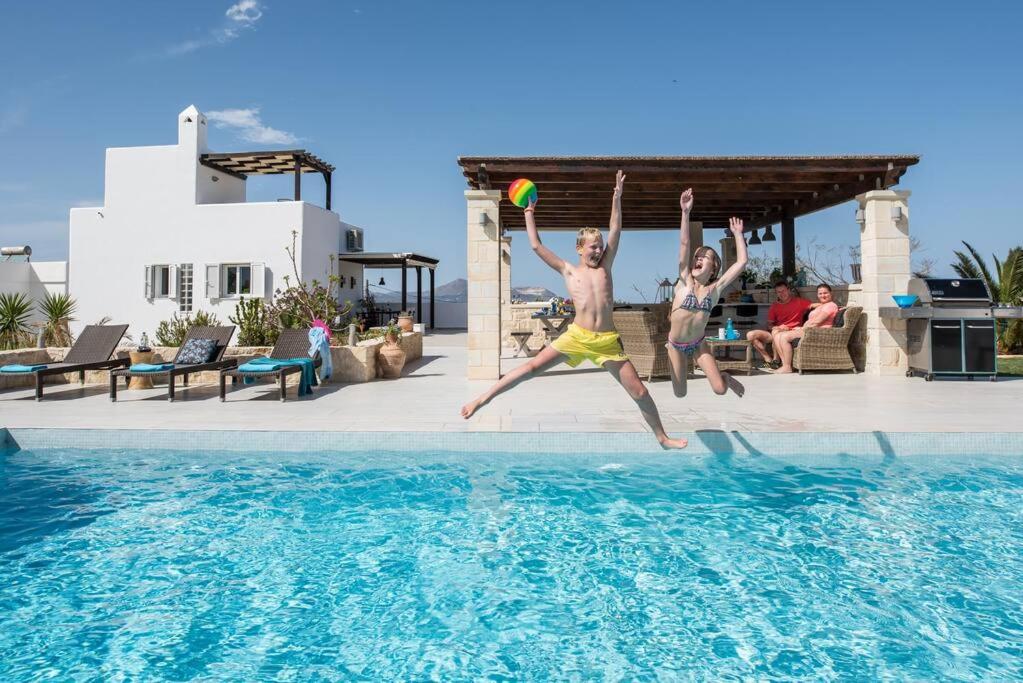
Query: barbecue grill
x: 951, y: 329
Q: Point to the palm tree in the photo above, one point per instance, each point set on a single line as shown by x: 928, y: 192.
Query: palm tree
x: 15, y: 311
x: 1006, y: 285
x: 57, y: 309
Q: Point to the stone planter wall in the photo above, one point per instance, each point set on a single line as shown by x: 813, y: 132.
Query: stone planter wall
x: 351, y: 363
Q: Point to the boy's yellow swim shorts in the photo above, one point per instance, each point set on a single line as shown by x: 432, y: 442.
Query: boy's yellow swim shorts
x: 598, y: 347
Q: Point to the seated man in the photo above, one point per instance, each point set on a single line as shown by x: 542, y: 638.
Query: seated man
x: 822, y: 315
x: 784, y: 315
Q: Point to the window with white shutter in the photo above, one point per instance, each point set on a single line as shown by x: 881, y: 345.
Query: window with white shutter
x: 213, y: 281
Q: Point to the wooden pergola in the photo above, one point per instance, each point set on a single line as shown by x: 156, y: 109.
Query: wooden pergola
x: 298, y: 161
x: 403, y: 260
x: 575, y: 192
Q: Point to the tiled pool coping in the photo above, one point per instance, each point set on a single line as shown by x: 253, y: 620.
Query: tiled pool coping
x: 704, y: 442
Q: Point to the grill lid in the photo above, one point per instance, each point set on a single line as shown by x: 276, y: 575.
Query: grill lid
x: 940, y: 291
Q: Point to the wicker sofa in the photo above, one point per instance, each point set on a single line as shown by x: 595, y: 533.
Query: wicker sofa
x: 827, y: 348
x: 644, y: 330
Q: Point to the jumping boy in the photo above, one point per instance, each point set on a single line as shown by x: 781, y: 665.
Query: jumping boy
x: 592, y: 335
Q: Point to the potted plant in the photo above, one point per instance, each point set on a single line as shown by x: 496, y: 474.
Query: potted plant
x: 405, y: 321
x: 391, y: 357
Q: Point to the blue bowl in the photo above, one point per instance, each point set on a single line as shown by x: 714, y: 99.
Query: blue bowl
x: 904, y: 300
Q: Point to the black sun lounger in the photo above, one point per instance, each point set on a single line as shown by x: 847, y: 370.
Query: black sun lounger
x: 222, y: 334
x: 91, y: 351
x: 290, y: 344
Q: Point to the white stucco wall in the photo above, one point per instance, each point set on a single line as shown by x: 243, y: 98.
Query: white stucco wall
x: 33, y: 279
x: 160, y: 209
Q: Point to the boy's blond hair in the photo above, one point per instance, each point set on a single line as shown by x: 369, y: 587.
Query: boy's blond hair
x: 585, y: 234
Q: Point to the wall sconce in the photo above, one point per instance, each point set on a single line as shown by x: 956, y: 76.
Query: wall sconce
x: 897, y: 213
x: 861, y: 216
x: 483, y: 218
x: 769, y: 234
x: 351, y: 282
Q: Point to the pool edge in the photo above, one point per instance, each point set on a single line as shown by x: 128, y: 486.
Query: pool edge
x: 702, y: 442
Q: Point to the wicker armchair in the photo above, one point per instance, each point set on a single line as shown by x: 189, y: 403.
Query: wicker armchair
x: 644, y: 331
x: 827, y: 348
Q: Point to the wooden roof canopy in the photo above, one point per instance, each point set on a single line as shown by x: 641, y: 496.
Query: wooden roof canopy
x: 576, y: 191
x: 389, y: 260
x: 242, y: 164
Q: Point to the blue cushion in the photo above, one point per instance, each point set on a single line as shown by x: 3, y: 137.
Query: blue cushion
x: 22, y: 368
x: 196, y: 351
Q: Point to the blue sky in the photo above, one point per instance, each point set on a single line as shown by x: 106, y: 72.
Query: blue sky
x: 392, y: 92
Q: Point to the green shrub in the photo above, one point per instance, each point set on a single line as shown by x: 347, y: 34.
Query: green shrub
x: 172, y: 332
x: 15, y: 310
x: 57, y: 309
x: 256, y: 327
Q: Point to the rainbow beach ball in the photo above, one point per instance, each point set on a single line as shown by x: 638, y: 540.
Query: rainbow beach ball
x: 521, y: 192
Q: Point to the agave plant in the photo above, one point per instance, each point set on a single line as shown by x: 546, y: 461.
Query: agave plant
x: 15, y: 311
x: 1006, y: 285
x: 57, y: 309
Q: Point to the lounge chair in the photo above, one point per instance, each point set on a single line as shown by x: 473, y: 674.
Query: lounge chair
x: 827, y: 348
x: 221, y: 334
x: 290, y: 344
x: 91, y: 351
x: 643, y: 330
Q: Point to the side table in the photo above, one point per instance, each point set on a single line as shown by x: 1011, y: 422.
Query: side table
x: 141, y: 357
x: 745, y: 364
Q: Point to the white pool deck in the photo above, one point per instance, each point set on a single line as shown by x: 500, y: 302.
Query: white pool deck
x: 429, y: 395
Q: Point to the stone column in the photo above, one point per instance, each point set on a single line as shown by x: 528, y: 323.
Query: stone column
x: 483, y: 248
x: 727, y: 253
x: 506, y: 296
x: 695, y: 236
x: 884, y: 246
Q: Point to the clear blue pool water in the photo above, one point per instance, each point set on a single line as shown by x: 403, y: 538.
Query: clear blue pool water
x: 144, y: 565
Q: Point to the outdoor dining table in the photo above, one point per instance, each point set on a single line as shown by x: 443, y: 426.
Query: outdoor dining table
x: 554, y: 325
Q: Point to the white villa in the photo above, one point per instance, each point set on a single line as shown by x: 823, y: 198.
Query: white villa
x: 175, y: 233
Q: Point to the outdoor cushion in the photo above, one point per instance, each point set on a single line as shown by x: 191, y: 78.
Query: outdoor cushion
x: 22, y: 368
x: 197, y: 351
x: 151, y: 367
x: 839, y: 318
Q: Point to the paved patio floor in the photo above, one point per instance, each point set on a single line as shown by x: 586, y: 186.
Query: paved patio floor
x: 429, y: 396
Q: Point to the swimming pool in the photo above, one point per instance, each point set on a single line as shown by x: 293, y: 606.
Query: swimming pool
x: 454, y: 565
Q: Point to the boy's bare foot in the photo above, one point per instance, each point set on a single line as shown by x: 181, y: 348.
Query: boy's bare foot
x: 784, y: 371
x: 471, y: 407
x: 667, y: 443
x: 735, y: 385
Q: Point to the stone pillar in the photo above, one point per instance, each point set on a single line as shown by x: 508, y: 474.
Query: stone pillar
x: 727, y: 253
x: 884, y: 246
x: 695, y: 236
x: 506, y: 295
x: 483, y: 248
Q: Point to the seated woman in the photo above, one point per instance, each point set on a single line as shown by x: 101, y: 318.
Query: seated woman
x: 822, y: 314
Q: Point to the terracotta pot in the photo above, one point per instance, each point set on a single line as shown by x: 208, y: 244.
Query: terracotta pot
x: 390, y: 360
x: 405, y: 323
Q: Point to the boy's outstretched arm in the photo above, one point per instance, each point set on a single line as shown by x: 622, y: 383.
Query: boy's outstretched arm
x: 741, y: 255
x: 686, y: 202
x: 615, y: 224
x: 545, y: 254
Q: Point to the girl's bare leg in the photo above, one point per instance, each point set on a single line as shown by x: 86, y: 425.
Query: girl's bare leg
x: 625, y: 372
x: 678, y: 365
x: 545, y: 360
x: 720, y: 382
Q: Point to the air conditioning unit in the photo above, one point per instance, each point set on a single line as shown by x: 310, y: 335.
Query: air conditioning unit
x: 353, y: 239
